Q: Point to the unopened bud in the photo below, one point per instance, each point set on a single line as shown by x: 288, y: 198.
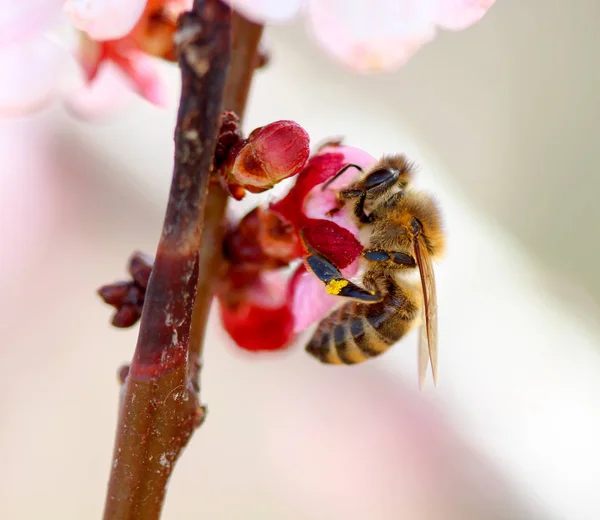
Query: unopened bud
x: 269, y: 155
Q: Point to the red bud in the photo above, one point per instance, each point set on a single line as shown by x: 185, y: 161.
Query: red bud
x: 269, y: 155
x: 140, y: 267
x: 114, y: 293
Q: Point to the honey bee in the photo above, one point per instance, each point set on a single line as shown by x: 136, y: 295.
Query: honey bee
x: 405, y: 233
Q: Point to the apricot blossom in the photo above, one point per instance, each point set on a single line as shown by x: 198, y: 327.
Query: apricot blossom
x: 370, y: 35
x: 266, y: 281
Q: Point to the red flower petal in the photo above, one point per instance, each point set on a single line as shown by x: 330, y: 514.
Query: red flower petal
x: 310, y: 301
x: 319, y: 168
x: 259, y: 317
x: 258, y: 328
x: 338, y: 244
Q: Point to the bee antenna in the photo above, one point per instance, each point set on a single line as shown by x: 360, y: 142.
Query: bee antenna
x: 347, y: 167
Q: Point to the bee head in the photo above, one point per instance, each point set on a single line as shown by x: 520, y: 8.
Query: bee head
x: 390, y: 173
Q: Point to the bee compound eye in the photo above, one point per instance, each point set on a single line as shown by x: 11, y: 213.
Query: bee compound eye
x: 382, y: 178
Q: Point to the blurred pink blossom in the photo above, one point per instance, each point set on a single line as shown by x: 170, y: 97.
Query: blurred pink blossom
x: 39, y: 64
x: 361, y: 444
x: 24, y: 19
x: 370, y: 35
x: 30, y: 201
x: 134, y: 66
x: 105, y: 19
x: 29, y: 87
x: 109, y: 92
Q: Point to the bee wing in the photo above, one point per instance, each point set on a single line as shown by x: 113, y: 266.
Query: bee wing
x: 423, y: 352
x: 428, y: 334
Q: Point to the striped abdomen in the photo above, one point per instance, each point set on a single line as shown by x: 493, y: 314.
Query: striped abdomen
x: 357, y: 331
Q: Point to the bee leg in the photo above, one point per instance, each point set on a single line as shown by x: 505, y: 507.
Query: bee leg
x: 335, y: 283
x: 359, y: 207
x: 359, y: 210
x: 334, y: 280
x: 395, y: 257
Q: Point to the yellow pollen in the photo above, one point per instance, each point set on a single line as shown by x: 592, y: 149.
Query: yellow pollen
x: 335, y: 286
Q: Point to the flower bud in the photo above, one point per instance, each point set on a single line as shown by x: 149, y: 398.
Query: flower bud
x: 269, y: 155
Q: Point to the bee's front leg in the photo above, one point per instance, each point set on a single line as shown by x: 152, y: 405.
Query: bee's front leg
x: 335, y: 283
x: 334, y: 280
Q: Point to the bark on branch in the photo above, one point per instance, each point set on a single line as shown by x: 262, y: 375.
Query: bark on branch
x: 160, y: 407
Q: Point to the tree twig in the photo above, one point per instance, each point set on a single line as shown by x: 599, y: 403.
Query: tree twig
x: 160, y: 407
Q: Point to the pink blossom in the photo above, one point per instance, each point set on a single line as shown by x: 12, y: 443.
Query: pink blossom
x: 32, y: 34
x: 105, y: 19
x: 267, y: 240
x: 370, y: 35
x: 267, y: 11
x: 30, y: 87
x: 30, y: 200
x: 460, y: 14
x: 109, y: 92
x: 135, y: 67
x: 21, y: 20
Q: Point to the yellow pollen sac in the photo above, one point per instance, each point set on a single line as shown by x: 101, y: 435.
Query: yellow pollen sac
x: 335, y: 286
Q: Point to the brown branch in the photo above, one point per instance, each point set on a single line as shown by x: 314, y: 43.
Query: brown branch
x: 244, y: 60
x: 160, y: 407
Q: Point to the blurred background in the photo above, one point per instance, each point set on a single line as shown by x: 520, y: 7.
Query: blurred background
x: 502, y: 120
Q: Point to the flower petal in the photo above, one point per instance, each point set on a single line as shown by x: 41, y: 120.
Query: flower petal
x: 23, y: 19
x: 106, y: 94
x: 105, y: 19
x: 267, y: 11
x: 310, y: 302
x: 26, y: 88
x: 460, y: 14
x: 263, y: 320
x: 323, y: 202
x: 32, y: 199
x: 370, y: 38
x: 338, y: 244
x: 320, y: 168
x: 143, y: 76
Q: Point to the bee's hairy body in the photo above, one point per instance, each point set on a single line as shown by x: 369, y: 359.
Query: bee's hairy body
x: 358, y: 331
